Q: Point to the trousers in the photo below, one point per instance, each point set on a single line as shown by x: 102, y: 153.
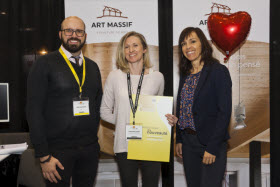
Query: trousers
x: 80, y: 163
x: 199, y: 174
x: 129, y: 171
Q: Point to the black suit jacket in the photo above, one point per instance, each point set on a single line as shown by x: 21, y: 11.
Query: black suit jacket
x: 212, y: 105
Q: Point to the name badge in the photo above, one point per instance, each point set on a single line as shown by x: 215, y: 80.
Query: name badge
x: 81, y: 106
x: 133, y: 132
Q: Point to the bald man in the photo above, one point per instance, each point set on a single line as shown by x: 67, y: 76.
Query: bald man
x: 63, y: 99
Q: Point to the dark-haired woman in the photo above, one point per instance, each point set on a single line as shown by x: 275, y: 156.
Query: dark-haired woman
x: 203, y: 111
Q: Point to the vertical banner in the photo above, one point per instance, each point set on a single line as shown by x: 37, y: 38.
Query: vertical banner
x: 248, y: 64
x: 106, y: 22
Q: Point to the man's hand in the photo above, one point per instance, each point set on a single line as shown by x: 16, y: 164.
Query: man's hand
x: 179, y: 150
x: 208, y: 158
x: 49, y: 168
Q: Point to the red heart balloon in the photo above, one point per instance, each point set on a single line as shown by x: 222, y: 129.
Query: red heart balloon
x: 229, y: 31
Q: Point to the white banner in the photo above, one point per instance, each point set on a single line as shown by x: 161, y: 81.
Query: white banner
x: 106, y: 22
x: 109, y: 20
x: 248, y: 64
x: 195, y: 14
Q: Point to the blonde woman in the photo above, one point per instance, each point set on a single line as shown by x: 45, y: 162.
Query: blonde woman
x: 134, y: 74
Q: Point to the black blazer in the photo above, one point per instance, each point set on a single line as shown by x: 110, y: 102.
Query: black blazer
x: 211, y: 108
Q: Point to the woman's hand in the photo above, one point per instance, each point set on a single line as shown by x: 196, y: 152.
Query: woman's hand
x: 208, y: 158
x: 178, y: 150
x: 172, y: 120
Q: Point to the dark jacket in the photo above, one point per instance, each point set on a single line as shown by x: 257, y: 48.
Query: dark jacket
x: 212, y: 105
x: 51, y: 87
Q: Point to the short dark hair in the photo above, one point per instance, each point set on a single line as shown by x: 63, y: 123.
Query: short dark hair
x: 185, y: 65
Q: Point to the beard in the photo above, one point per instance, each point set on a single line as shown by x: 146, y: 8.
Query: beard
x: 73, y: 48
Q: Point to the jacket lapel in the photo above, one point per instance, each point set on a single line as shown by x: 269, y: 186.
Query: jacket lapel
x: 202, y: 79
x: 59, y: 56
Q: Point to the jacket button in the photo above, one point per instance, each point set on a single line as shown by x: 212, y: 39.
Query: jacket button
x: 194, y: 113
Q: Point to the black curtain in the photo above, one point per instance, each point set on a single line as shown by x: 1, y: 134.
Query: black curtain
x: 28, y: 27
x: 274, y: 92
x: 165, y: 29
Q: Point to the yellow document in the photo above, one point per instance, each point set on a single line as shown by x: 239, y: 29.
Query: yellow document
x: 156, y: 133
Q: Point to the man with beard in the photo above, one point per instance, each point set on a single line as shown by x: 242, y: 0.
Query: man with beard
x: 63, y: 99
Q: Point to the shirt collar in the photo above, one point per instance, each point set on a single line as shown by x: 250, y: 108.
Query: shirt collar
x: 69, y: 55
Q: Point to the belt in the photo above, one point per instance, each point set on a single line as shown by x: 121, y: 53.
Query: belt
x: 190, y: 131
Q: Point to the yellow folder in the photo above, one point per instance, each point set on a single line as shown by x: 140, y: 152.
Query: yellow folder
x: 156, y: 132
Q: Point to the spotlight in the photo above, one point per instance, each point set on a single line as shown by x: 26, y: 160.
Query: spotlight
x: 239, y: 114
x: 43, y: 52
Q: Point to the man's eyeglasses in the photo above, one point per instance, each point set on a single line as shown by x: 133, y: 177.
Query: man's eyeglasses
x: 69, y: 32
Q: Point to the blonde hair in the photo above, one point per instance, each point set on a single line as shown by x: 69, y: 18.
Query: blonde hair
x: 122, y: 63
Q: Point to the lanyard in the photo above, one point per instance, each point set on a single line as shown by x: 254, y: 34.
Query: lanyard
x: 74, y: 72
x: 134, y: 107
